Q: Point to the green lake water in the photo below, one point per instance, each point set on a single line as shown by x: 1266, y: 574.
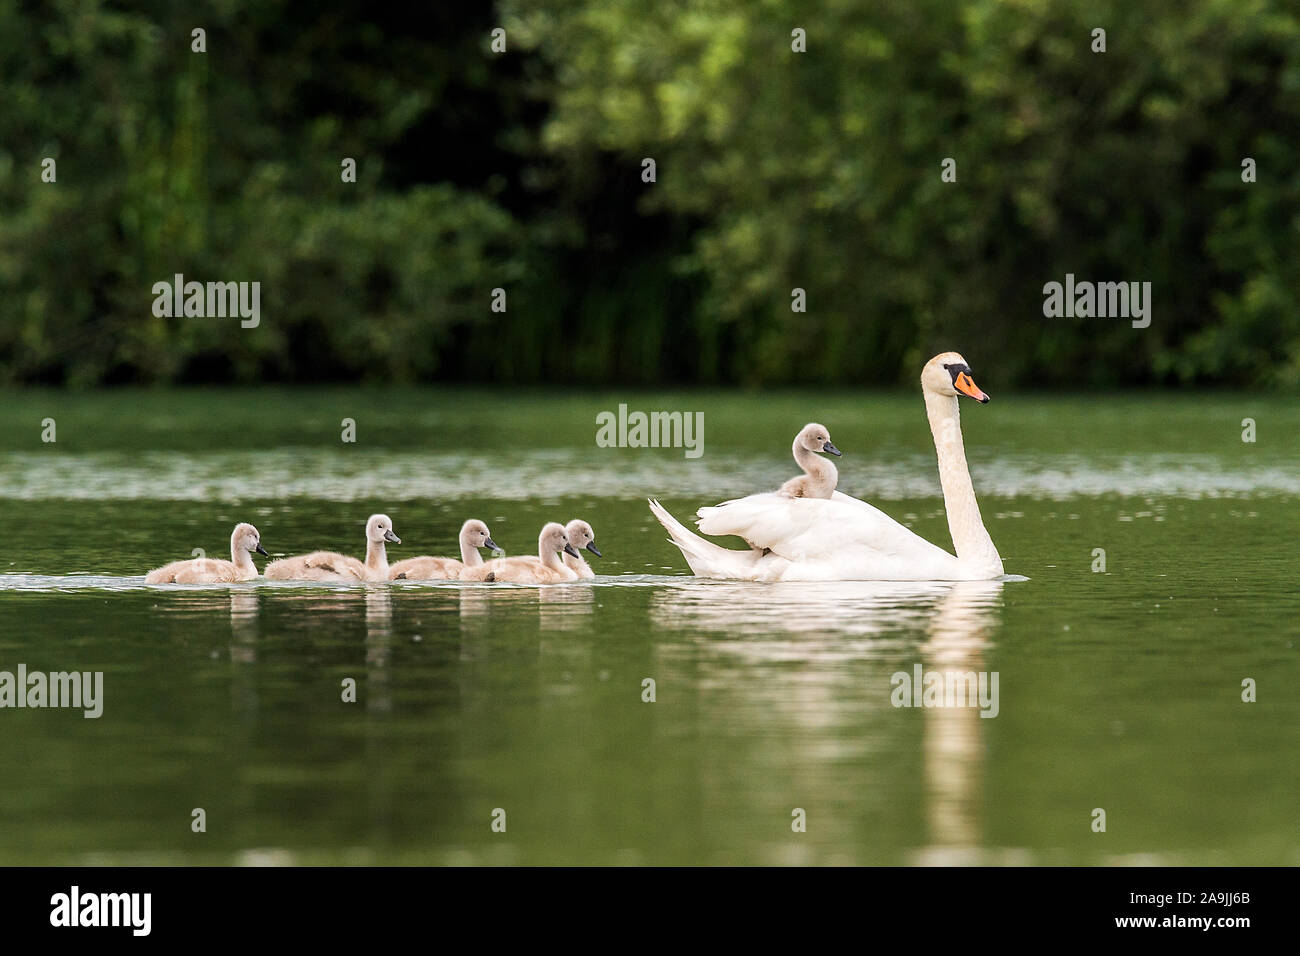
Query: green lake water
x: 1118, y: 689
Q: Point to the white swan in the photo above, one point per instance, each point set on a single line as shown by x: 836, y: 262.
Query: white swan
x: 546, y: 568
x: 332, y: 566
x: 473, y: 535
x: 581, y: 537
x: 244, y: 540
x: 819, y: 475
x: 844, y: 539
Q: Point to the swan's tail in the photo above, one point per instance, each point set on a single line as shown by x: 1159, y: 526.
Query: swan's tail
x: 706, y: 559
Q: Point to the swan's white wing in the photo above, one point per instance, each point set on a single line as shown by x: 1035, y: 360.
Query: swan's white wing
x: 774, y: 521
x: 839, y: 538
x: 841, y: 496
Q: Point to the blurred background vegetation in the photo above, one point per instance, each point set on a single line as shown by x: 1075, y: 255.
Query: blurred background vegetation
x: 775, y: 170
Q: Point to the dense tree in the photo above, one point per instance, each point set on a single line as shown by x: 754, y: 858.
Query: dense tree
x: 822, y: 170
x: 775, y: 170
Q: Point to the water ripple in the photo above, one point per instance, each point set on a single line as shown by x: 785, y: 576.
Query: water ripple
x: 354, y: 475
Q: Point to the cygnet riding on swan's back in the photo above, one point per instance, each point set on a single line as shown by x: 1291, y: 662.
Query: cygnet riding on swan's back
x: 243, y: 541
x: 581, y: 537
x: 819, y: 477
x: 546, y: 568
x: 473, y: 535
x: 332, y: 566
x: 844, y: 539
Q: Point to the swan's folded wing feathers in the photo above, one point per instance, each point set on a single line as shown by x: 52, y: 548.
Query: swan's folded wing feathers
x: 809, y: 529
x: 775, y: 521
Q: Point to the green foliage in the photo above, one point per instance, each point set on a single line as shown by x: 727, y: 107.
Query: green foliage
x: 821, y: 170
x: 217, y: 166
x: 776, y: 170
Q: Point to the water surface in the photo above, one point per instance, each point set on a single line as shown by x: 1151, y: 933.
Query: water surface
x: 1119, y: 689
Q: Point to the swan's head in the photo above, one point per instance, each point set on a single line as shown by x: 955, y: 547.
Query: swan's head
x: 580, y: 536
x: 553, y: 539
x: 816, y: 437
x: 246, y: 538
x: 380, y: 529
x: 948, y: 374
x: 475, y: 533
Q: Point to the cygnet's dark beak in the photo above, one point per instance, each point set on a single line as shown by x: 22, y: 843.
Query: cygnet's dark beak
x: 389, y: 536
x: 830, y: 449
x: 260, y: 550
x: 489, y: 543
x: 591, y: 546
x: 568, y: 549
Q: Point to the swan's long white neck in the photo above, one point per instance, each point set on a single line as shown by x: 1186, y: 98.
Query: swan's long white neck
x: 240, y: 557
x: 970, y: 538
x: 549, y: 558
x: 469, y: 555
x: 377, y: 557
x: 816, y: 467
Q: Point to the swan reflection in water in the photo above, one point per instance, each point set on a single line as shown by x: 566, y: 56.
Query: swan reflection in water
x: 244, y: 608
x: 374, y: 604
x: 852, y: 636
x: 243, y: 625
x: 560, y: 607
x: 953, y: 737
x: 379, y: 644
x: 833, y: 609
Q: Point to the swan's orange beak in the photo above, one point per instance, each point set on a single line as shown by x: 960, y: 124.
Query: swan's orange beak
x: 966, y: 385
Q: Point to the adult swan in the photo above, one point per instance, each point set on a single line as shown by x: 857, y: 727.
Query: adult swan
x: 844, y: 539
